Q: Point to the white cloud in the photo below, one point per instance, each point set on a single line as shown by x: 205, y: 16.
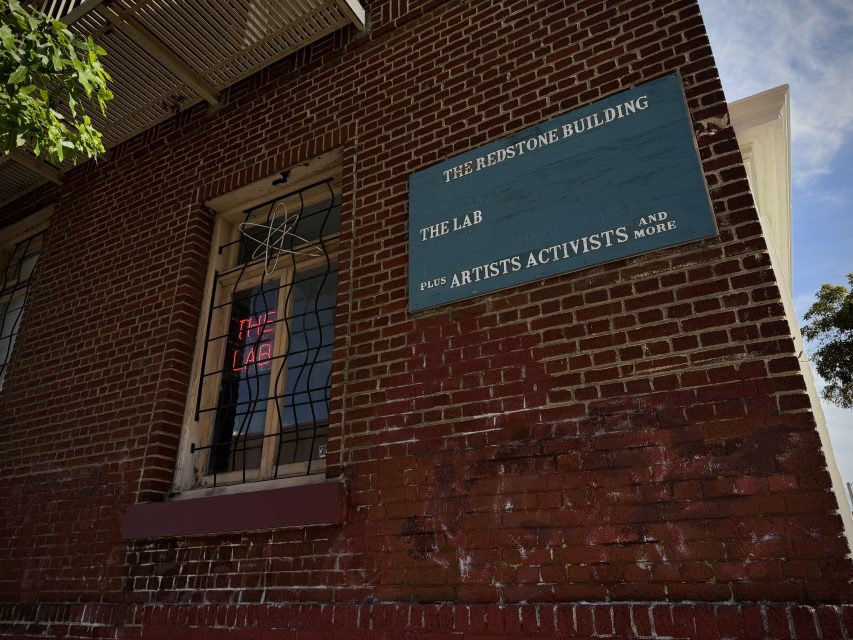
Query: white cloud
x: 807, y: 44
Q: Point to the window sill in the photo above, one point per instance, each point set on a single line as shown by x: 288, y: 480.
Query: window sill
x: 252, y: 486
x: 296, y: 506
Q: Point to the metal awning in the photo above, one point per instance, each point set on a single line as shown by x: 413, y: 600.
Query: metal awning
x: 167, y: 55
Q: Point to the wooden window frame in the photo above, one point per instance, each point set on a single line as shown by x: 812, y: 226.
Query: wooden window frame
x: 191, y: 480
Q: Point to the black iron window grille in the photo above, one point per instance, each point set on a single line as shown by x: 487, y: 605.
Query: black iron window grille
x: 263, y: 395
x: 18, y: 268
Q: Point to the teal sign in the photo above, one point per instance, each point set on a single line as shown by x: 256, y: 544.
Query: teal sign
x: 614, y: 179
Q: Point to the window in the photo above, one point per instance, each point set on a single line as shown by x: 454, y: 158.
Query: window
x: 19, y: 262
x: 261, y: 404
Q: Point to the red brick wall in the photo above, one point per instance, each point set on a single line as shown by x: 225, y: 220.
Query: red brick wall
x: 635, y: 433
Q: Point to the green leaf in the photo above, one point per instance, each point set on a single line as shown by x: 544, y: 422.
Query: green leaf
x: 85, y: 78
x: 830, y: 327
x: 18, y: 75
x: 7, y: 39
x: 47, y: 68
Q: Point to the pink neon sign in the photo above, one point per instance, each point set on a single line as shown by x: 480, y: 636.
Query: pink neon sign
x: 255, y: 336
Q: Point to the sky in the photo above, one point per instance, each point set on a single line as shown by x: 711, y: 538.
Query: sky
x: 808, y: 45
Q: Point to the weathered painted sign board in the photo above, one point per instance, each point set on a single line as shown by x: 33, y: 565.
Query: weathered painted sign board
x: 614, y: 179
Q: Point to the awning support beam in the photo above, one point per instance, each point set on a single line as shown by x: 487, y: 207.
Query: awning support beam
x: 42, y: 168
x: 355, y: 12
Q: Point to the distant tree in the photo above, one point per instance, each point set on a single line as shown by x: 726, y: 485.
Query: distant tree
x: 830, y: 326
x: 44, y: 65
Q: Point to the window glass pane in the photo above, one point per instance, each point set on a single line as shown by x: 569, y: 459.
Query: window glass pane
x: 11, y: 321
x: 13, y: 265
x: 21, y: 262
x: 27, y: 265
x: 244, y: 385
x: 12, y: 312
x: 14, y: 283
x: 291, y: 228
x: 305, y: 406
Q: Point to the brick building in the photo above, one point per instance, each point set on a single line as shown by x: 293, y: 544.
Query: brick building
x: 220, y: 417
